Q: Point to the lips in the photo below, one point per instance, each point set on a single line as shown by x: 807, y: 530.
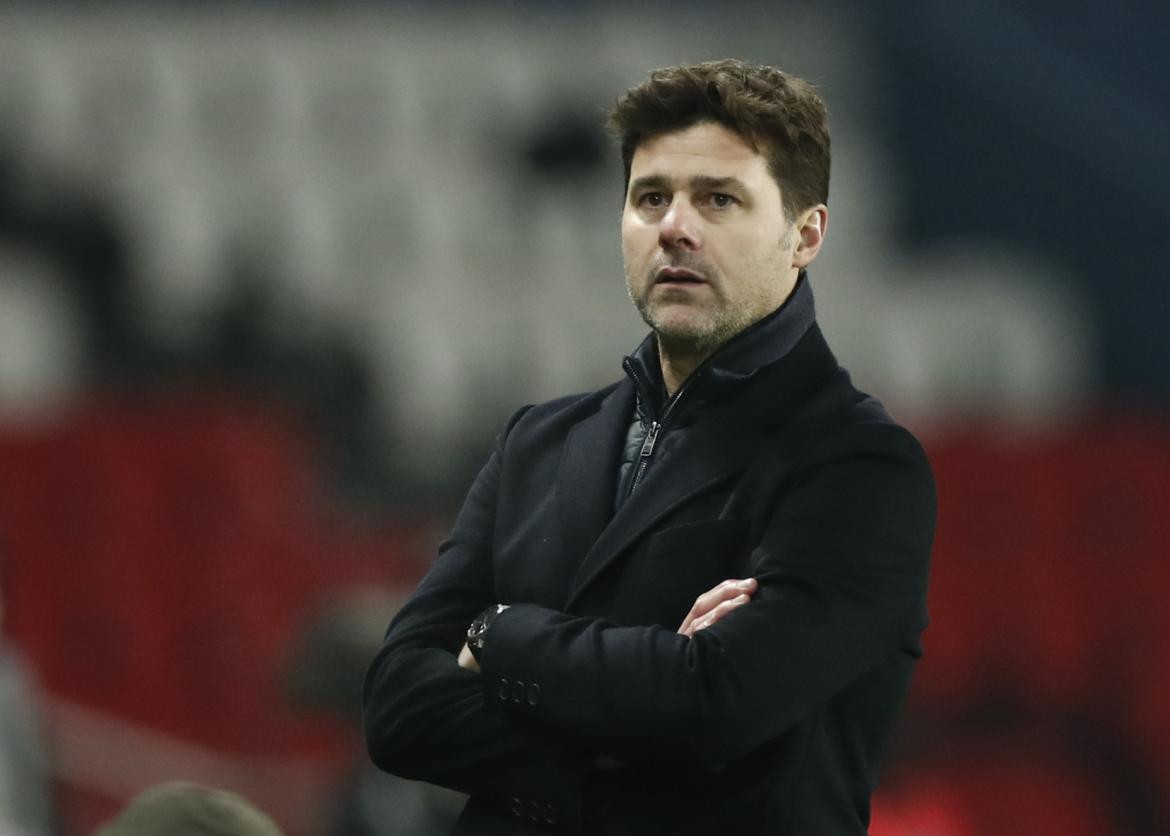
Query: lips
x: 678, y: 275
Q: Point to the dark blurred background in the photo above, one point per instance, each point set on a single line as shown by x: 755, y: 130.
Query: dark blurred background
x: 273, y: 274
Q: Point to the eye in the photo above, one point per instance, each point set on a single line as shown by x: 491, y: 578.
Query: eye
x: 652, y: 200
x: 721, y: 200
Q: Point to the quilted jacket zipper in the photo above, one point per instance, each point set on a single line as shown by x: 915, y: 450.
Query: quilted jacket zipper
x: 656, y: 427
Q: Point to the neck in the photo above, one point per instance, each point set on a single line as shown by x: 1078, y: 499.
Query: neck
x: 678, y: 361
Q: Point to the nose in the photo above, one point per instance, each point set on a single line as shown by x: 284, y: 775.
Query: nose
x: 679, y: 227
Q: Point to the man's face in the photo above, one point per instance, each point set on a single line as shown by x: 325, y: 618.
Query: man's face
x: 707, y: 247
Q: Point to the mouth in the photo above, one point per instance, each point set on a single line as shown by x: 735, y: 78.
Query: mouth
x: 678, y: 275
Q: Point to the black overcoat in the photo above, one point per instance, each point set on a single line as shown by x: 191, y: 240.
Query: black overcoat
x: 773, y: 720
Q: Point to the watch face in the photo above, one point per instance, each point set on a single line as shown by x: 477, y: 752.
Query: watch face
x: 476, y: 630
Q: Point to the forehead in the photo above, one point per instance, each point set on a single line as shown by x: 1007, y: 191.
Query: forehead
x: 707, y: 148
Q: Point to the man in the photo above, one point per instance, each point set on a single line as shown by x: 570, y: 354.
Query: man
x: 690, y: 602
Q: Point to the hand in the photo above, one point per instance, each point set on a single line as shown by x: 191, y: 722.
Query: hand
x: 717, y: 602
x: 466, y: 660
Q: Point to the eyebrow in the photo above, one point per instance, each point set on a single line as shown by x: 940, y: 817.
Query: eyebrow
x: 700, y: 182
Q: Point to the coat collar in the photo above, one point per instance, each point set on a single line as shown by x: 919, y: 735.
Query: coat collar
x: 756, y: 381
x: 736, y: 361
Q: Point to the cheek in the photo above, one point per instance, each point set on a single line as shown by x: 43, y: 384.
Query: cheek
x: 637, y: 244
x: 750, y: 266
x: 756, y: 252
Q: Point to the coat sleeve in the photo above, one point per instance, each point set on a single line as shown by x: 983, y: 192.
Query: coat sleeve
x: 842, y: 571
x: 425, y: 717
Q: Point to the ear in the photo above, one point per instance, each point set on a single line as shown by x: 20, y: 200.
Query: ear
x: 811, y: 224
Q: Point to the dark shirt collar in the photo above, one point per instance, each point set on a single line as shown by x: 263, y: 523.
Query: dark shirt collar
x: 733, y: 363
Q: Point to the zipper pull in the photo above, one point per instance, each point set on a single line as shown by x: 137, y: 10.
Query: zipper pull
x: 651, y: 436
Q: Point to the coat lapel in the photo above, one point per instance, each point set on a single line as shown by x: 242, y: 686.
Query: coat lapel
x: 705, y: 457
x: 587, y: 475
x: 723, y: 443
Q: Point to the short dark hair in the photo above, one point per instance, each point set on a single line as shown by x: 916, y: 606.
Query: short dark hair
x: 779, y: 115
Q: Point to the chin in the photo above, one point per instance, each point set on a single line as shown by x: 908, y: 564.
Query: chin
x: 692, y: 337
x: 680, y: 325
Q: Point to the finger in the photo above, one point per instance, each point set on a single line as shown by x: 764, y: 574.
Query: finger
x: 725, y: 591
x: 705, y: 603
x: 715, y: 596
x: 719, y: 612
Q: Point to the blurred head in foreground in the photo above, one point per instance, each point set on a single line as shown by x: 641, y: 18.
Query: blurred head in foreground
x: 185, y: 809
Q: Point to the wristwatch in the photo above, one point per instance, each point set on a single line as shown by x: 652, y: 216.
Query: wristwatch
x: 479, y: 627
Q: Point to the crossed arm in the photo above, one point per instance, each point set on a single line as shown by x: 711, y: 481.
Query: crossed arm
x: 708, y: 609
x: 425, y: 713
x: 838, y: 585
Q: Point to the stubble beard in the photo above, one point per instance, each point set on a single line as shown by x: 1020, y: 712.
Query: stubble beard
x: 722, y: 320
x: 699, y: 337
